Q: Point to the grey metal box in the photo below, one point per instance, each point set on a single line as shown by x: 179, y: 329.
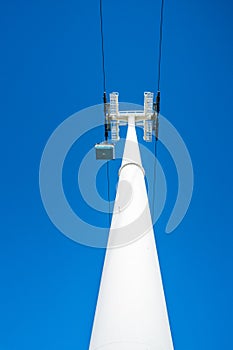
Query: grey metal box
x: 105, y: 151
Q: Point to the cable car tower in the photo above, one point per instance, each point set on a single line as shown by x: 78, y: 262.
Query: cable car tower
x: 131, y: 312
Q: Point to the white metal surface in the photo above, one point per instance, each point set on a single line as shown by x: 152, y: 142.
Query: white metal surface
x: 148, y: 103
x: 114, y: 105
x: 114, y: 112
x: 131, y: 311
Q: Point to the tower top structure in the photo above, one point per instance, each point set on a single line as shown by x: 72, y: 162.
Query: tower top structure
x: 114, y: 118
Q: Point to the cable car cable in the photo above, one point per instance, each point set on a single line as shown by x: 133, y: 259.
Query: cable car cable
x: 106, y: 127
x: 102, y: 45
x: 157, y: 103
x: 160, y: 42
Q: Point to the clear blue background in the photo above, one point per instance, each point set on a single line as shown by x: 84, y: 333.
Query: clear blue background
x: 50, y: 67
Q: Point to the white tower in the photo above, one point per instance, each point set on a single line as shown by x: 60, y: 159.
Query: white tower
x: 131, y: 310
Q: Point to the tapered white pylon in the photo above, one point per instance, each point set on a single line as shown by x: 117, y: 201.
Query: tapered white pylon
x: 131, y: 311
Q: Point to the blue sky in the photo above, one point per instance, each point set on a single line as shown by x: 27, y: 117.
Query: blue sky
x: 51, y: 68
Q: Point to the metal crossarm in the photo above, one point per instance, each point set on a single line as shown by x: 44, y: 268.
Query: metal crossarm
x: 146, y: 117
